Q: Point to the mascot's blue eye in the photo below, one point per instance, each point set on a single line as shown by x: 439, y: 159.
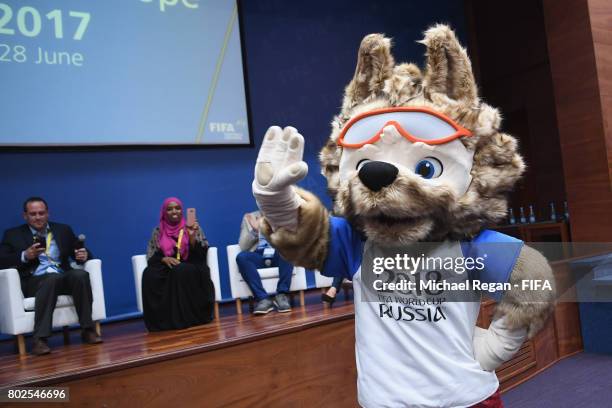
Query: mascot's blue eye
x: 429, y: 167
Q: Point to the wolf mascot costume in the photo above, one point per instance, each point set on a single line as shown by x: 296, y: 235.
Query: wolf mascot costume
x: 412, y: 157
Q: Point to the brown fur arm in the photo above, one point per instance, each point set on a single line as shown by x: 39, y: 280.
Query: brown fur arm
x: 528, y: 308
x: 520, y: 314
x: 308, y: 245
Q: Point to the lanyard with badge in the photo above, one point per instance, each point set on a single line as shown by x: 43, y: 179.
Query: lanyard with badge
x: 47, y: 252
x: 48, y: 249
x: 48, y: 244
x: 178, y: 244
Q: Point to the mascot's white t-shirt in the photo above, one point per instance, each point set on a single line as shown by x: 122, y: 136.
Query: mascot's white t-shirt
x: 411, y: 351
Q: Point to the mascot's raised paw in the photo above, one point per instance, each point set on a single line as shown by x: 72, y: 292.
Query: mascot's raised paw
x: 279, y: 166
x: 279, y: 163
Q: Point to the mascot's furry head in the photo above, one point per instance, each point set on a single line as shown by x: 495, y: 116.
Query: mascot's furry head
x: 418, y: 157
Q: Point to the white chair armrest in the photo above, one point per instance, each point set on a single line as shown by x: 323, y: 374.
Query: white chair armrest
x: 98, y: 308
x: 322, y: 281
x: 237, y: 285
x: 139, y: 263
x: 298, y: 279
x: 11, y: 300
x: 212, y: 260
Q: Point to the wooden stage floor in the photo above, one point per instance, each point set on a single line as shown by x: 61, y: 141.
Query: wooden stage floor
x: 302, y: 358
x: 127, y: 344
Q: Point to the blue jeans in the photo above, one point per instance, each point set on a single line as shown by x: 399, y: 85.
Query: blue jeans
x: 249, y: 262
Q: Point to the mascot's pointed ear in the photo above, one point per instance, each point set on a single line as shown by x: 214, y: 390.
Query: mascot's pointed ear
x: 374, y: 66
x: 449, y: 70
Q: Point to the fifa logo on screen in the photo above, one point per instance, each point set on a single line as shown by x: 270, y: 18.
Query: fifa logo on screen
x: 164, y: 4
x: 221, y: 127
x: 229, y: 130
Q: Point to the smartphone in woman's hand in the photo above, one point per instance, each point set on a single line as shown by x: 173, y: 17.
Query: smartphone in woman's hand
x: 191, y: 217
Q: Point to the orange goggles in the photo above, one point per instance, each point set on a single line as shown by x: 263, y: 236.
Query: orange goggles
x: 415, y: 124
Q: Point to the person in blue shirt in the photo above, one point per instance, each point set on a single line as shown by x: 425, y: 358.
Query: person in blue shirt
x: 41, y: 251
x: 258, y: 253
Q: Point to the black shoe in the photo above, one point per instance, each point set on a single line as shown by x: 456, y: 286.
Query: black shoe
x: 40, y: 347
x: 328, y: 299
x: 90, y: 336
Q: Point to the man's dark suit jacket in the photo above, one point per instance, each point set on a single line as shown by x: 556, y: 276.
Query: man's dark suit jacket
x: 18, y: 239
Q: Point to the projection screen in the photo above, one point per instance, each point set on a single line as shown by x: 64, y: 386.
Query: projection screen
x: 121, y: 72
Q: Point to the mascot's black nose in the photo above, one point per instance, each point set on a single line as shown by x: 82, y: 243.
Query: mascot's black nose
x: 376, y: 174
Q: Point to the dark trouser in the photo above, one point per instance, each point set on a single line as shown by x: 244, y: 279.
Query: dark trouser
x: 337, y: 282
x: 249, y: 262
x: 46, y: 288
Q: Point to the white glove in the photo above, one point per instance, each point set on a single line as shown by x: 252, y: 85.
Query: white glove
x: 279, y: 166
x: 497, y: 345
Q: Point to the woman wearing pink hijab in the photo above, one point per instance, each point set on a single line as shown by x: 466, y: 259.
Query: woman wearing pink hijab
x: 177, y: 291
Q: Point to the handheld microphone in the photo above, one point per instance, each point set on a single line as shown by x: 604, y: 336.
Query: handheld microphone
x: 80, y: 243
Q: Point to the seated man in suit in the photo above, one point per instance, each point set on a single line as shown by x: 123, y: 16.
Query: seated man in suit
x: 40, y: 251
x: 258, y: 253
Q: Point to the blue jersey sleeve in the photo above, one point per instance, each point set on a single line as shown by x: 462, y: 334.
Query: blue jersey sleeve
x: 499, y: 253
x: 345, y: 250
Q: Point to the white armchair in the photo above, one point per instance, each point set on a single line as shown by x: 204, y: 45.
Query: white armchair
x: 322, y: 281
x: 269, y: 279
x: 17, y: 312
x: 139, y: 263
